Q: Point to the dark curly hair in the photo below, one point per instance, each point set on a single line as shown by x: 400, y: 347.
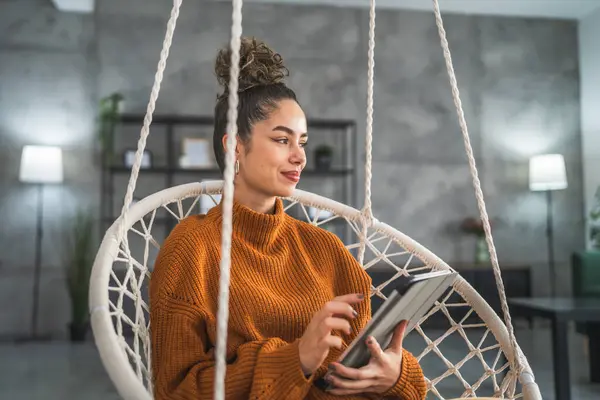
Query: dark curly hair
x: 260, y: 88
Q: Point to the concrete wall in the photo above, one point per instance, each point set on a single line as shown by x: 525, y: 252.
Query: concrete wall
x: 519, y: 86
x: 589, y: 48
x: 47, y: 96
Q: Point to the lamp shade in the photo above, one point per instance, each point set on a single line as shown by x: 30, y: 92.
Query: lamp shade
x: 41, y: 164
x: 547, y: 172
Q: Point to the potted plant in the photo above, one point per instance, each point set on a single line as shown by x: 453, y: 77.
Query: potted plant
x: 474, y: 226
x: 110, y: 108
x: 79, y: 257
x: 595, y: 221
x: 323, y: 157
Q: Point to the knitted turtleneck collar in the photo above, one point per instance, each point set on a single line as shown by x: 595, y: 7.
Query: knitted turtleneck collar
x: 259, y: 229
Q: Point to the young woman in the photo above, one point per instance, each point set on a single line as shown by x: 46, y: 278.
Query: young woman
x: 297, y: 296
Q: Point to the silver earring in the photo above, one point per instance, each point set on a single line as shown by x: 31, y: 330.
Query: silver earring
x: 237, y: 167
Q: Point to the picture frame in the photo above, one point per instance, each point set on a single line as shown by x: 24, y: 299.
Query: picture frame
x: 196, y: 153
x: 129, y: 158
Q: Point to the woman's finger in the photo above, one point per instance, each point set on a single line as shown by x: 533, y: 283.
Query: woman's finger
x: 341, y: 383
x: 375, y: 349
x: 342, y: 371
x: 333, y: 341
x: 396, y: 342
x: 330, y: 323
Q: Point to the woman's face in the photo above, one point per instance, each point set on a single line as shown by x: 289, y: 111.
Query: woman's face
x: 272, y: 161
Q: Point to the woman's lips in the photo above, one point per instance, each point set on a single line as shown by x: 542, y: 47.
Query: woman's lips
x: 292, y: 176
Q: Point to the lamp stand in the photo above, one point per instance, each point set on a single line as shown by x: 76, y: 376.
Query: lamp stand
x: 34, y: 336
x: 38, y: 260
x: 550, y: 237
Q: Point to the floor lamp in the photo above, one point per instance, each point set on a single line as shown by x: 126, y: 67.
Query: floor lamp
x: 547, y: 173
x: 40, y: 165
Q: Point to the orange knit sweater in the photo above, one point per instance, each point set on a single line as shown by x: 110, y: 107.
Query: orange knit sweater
x: 282, y: 272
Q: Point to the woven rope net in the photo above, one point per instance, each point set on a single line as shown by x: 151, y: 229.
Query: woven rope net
x: 459, y: 337
x: 120, y: 314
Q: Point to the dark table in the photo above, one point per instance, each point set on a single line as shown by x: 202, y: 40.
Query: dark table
x: 561, y: 311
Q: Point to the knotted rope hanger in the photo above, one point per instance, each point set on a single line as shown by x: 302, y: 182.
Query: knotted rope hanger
x: 366, y: 213
x: 232, y: 131
x: 135, y: 169
x: 515, y: 363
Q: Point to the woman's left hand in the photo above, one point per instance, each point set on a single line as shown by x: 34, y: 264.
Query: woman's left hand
x: 382, y: 372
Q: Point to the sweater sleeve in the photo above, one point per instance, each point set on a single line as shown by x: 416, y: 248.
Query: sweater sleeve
x: 411, y: 383
x: 185, y: 365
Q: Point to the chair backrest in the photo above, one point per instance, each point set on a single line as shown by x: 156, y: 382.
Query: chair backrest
x: 586, y: 273
x: 460, y: 330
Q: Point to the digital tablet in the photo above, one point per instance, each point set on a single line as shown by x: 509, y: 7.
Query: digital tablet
x: 411, y: 298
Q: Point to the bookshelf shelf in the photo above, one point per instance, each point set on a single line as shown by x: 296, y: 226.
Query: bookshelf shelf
x: 212, y: 171
x: 165, y: 171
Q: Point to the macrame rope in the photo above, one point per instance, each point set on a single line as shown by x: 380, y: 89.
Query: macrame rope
x: 228, y: 188
x: 516, y: 364
x: 162, y: 63
x: 135, y: 169
x: 367, y: 212
x: 145, y: 132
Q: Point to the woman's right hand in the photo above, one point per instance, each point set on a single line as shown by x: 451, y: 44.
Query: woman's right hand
x: 316, y: 341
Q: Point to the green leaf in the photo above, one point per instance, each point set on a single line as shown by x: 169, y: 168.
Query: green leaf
x: 80, y: 248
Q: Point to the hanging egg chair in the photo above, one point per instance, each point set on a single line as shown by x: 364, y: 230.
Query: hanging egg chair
x: 120, y: 311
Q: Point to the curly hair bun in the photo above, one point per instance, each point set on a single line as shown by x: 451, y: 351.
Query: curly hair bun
x: 259, y: 65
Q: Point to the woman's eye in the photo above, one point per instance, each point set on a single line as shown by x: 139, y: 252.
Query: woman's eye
x: 286, y: 141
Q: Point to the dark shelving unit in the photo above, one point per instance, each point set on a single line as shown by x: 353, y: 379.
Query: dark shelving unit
x: 344, y: 169
x: 212, y: 171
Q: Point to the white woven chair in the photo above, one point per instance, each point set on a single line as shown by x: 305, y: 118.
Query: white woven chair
x: 120, y: 312
x: 125, y: 277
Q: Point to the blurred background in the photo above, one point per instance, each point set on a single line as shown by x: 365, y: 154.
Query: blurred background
x: 75, y: 79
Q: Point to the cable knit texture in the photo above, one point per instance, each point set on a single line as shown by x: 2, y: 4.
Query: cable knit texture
x: 282, y: 272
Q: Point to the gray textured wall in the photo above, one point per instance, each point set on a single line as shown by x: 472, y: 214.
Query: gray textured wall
x: 47, y: 96
x: 589, y: 47
x: 519, y: 86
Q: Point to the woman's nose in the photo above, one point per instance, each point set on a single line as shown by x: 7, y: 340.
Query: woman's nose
x: 298, y: 156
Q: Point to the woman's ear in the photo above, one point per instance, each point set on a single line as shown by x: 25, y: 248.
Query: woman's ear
x: 224, y: 142
x: 237, y: 147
